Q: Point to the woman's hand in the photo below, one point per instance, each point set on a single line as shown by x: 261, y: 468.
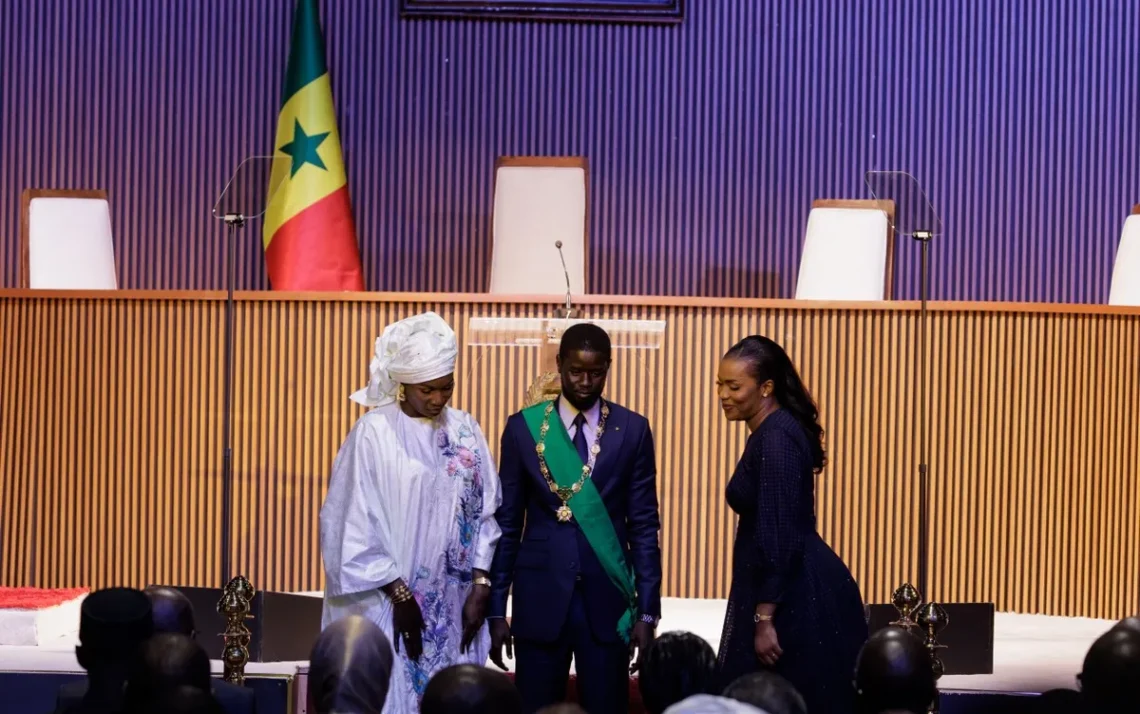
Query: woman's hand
x: 408, y: 624
x: 766, y: 643
x: 474, y: 614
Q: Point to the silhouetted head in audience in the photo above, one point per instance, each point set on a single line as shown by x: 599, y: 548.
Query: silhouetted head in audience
x: 1110, y: 678
x: 562, y: 708
x: 113, y: 625
x: 1129, y: 623
x: 468, y: 689
x: 181, y: 700
x: 169, y: 661
x: 676, y: 666
x: 768, y: 691
x: 712, y: 704
x: 171, y: 610
x: 893, y: 673
x: 350, y: 668
x: 1058, y: 701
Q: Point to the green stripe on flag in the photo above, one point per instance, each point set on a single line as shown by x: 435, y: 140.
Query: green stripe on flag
x: 306, y: 50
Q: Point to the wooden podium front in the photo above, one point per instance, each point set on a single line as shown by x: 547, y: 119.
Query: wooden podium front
x: 110, y: 441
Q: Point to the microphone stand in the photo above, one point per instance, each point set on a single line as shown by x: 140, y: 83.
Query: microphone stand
x: 923, y: 237
x: 565, y: 274
x: 234, y: 221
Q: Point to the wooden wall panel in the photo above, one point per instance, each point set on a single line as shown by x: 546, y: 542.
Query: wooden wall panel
x: 110, y: 443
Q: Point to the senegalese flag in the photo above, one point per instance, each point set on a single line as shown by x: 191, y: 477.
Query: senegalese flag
x: 309, y: 235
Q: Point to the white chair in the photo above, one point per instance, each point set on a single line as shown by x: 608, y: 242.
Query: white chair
x: 539, y: 200
x: 1125, y: 287
x: 848, y: 251
x: 67, y: 241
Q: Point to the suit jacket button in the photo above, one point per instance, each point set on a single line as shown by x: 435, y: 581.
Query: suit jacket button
x: 573, y: 565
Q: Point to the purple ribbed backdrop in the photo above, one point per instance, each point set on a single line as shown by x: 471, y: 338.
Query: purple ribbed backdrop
x: 707, y: 141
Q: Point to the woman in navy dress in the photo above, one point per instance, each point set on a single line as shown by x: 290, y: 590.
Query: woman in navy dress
x: 794, y: 607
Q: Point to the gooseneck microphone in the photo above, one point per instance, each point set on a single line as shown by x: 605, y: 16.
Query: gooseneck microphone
x: 566, y: 274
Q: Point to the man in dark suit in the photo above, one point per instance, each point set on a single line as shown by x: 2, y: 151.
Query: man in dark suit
x: 579, y: 551
x: 171, y: 611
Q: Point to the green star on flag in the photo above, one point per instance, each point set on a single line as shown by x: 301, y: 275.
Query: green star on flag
x: 303, y: 148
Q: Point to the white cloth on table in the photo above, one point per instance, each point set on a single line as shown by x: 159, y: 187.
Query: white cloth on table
x: 413, y: 499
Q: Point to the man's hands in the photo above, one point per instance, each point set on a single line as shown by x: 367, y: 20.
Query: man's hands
x: 640, y: 641
x: 500, y: 637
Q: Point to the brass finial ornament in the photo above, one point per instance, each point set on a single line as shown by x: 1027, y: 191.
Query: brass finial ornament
x: 906, y: 600
x: 933, y: 619
x: 235, y: 605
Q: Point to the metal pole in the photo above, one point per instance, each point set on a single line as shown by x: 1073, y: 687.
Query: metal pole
x: 923, y: 464
x: 234, y: 221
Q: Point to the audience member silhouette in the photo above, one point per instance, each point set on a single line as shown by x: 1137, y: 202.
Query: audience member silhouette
x: 676, y: 666
x: 183, y: 700
x: 1057, y: 701
x: 712, y: 704
x: 893, y: 673
x: 169, y: 661
x: 1110, y: 678
x: 468, y: 689
x: 562, y: 708
x: 768, y: 691
x: 173, y: 612
x: 113, y: 625
x: 1129, y: 623
x: 350, y: 668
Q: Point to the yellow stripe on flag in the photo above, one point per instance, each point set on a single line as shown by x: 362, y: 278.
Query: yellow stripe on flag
x: 312, y: 106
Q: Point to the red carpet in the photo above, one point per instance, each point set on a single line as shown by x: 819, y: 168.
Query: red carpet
x: 37, y: 598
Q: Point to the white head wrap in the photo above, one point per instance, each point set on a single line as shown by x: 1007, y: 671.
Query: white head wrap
x: 412, y: 351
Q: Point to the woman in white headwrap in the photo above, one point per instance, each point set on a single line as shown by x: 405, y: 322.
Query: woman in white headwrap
x: 408, y: 527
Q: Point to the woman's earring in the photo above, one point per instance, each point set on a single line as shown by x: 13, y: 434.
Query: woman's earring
x: 400, y: 396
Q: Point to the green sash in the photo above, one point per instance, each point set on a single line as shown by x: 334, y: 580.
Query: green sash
x: 565, y: 468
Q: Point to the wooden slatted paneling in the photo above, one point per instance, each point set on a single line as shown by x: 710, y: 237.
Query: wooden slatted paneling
x: 110, y: 443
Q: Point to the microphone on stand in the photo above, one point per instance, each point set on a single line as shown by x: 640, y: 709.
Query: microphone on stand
x: 566, y: 274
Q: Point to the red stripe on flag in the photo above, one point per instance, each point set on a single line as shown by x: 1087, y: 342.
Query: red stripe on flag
x: 316, y: 249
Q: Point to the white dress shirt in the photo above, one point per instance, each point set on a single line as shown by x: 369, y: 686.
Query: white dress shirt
x: 569, y: 413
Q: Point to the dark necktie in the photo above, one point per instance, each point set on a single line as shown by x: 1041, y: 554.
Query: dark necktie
x: 580, y: 438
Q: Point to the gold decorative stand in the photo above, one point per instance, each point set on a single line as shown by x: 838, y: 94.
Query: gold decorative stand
x: 235, y: 604
x: 925, y: 622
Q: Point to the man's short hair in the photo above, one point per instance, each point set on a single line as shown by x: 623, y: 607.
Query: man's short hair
x: 587, y: 337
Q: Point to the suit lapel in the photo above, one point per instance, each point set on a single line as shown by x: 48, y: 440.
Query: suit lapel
x: 616, y: 428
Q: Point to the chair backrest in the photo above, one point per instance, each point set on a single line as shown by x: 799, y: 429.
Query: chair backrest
x: 1125, y: 287
x: 539, y: 200
x: 848, y: 251
x: 66, y: 241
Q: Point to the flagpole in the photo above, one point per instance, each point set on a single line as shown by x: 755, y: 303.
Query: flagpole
x: 234, y: 221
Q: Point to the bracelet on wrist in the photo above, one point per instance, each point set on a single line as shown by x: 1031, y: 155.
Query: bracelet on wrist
x: 400, y: 594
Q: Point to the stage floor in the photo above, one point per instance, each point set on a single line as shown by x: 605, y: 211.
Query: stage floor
x: 1032, y: 653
